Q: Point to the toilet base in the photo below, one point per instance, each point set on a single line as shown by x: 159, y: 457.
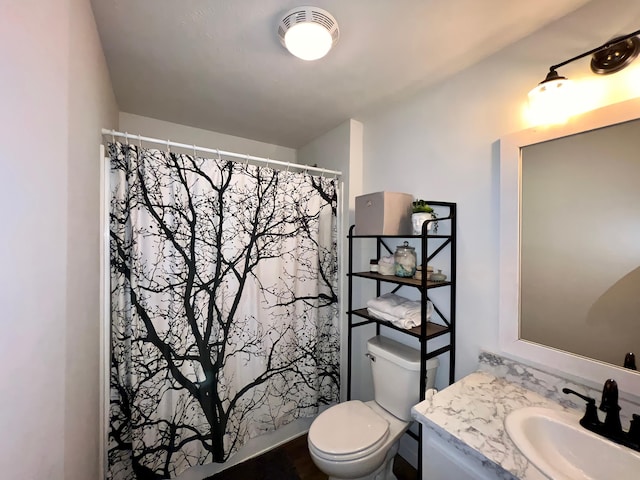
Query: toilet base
x: 377, y: 465
x: 383, y: 472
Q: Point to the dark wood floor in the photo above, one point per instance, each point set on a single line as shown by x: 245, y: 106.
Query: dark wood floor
x: 291, y: 461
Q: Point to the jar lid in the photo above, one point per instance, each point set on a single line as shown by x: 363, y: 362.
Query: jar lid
x: 405, y: 246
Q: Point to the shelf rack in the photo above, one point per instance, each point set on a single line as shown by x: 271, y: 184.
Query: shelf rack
x: 432, y: 245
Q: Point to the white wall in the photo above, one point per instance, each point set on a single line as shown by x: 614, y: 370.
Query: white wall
x: 92, y: 106
x: 33, y: 150
x: 38, y: 335
x: 151, y: 127
x: 441, y: 145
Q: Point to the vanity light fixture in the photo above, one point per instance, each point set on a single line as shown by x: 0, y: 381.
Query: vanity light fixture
x: 608, y: 58
x: 308, y: 32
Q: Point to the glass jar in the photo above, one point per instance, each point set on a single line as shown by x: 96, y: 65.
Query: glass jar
x: 405, y: 260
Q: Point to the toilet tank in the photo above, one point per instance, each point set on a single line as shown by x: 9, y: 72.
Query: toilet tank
x: 396, y: 375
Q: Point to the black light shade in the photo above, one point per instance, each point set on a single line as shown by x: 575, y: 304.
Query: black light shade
x: 552, y: 76
x: 551, y: 83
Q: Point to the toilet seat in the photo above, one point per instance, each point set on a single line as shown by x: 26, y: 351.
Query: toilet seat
x: 347, y: 431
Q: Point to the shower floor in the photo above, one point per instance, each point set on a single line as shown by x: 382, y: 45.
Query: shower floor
x: 291, y: 461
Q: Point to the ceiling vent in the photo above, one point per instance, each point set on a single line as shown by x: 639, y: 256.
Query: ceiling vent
x: 308, y: 32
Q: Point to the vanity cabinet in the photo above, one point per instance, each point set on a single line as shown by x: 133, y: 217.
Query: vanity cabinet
x: 443, y: 461
x: 434, y: 248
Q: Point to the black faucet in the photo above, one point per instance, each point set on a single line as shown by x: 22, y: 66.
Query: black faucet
x: 609, y: 405
x: 611, y: 428
x: 630, y: 361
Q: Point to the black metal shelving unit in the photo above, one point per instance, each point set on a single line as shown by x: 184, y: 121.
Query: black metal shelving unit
x: 432, y: 245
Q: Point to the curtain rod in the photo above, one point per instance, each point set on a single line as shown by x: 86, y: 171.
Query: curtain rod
x: 169, y: 143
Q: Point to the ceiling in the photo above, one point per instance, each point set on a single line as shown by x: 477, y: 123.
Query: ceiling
x: 219, y: 65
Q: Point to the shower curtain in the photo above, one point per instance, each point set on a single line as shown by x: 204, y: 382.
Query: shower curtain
x: 223, y: 306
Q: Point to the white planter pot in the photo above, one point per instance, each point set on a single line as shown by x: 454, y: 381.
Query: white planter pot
x: 417, y: 219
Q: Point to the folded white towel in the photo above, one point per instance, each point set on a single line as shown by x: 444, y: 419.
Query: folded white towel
x: 401, y: 311
x: 394, y: 305
x: 405, y: 322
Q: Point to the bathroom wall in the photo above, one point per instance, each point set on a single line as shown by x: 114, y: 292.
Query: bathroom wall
x: 92, y: 106
x: 441, y: 145
x: 55, y: 92
x: 33, y: 146
x: 151, y: 127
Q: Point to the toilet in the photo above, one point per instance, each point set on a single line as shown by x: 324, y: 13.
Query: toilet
x: 358, y: 440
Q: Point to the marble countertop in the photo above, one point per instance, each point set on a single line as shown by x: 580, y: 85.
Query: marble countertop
x: 470, y: 414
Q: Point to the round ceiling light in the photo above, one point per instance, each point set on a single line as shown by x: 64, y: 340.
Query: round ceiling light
x: 308, y: 32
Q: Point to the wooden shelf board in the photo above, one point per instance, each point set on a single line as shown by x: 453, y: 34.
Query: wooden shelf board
x: 433, y: 329
x: 399, y: 280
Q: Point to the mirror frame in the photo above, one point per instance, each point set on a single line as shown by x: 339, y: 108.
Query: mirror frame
x: 566, y: 364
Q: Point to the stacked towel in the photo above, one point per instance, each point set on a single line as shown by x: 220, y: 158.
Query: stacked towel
x: 398, y: 310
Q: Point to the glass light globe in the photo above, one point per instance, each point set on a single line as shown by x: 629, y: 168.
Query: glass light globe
x: 308, y: 41
x: 551, y: 102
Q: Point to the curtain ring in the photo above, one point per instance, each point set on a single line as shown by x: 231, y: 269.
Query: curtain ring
x: 194, y: 151
x: 219, y: 157
x: 113, y: 137
x: 246, y: 161
x: 267, y: 164
x: 169, y: 145
x: 288, y: 165
x: 139, y: 143
x: 126, y: 137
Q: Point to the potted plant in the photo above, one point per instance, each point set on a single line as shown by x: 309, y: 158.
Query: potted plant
x: 422, y: 212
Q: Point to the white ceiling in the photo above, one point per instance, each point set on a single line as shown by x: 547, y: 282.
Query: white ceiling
x: 219, y: 64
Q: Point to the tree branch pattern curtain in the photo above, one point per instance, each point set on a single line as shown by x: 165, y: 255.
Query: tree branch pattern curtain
x: 223, y: 306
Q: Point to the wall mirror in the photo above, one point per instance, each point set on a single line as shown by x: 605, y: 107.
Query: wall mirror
x: 570, y: 245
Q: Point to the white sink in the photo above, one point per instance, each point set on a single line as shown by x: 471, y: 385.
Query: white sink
x: 560, y: 448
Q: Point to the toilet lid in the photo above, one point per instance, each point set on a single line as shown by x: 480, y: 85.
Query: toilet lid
x: 348, y: 428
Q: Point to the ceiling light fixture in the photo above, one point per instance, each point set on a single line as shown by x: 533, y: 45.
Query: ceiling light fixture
x: 308, y: 32
x: 608, y: 58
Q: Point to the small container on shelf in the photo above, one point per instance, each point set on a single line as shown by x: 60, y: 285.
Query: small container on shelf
x: 386, y: 265
x: 405, y: 260
x: 429, y: 271
x: 438, y: 276
x: 418, y: 274
x: 373, y: 265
